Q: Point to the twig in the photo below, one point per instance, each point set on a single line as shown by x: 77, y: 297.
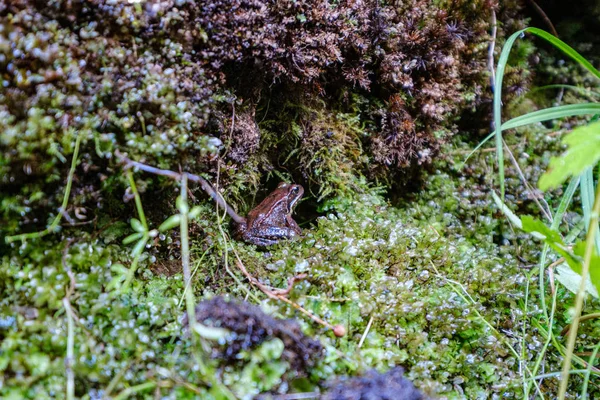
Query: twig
x: 546, y: 210
x: 338, y: 330
x: 544, y: 17
x: 272, y: 293
x: 290, y: 396
x: 366, y: 332
x: 567, y: 328
x: 491, y: 49
x: 70, y: 357
x: 207, y: 187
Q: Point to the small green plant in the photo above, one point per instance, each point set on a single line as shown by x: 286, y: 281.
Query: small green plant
x: 576, y: 163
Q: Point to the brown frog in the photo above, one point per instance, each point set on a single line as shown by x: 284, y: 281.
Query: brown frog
x: 271, y: 221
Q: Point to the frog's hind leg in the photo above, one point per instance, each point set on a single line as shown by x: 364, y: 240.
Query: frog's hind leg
x: 262, y: 242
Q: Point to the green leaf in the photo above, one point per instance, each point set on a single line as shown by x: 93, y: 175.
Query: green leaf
x: 502, y: 61
x: 132, y: 238
x: 139, y: 247
x: 547, y: 114
x: 137, y: 225
x: 538, y: 229
x: 583, y: 152
x: 530, y: 224
x: 195, y: 212
x: 579, y: 249
x: 210, y: 332
x: 170, y: 223
x: 182, y: 206
x: 572, y: 280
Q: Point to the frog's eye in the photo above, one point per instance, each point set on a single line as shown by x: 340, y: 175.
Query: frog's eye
x: 295, y: 190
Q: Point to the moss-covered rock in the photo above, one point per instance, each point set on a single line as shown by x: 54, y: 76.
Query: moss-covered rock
x: 274, y: 87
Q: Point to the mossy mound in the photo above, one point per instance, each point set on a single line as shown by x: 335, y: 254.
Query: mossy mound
x: 179, y: 82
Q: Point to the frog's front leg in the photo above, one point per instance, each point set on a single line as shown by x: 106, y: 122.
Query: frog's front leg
x: 292, y: 224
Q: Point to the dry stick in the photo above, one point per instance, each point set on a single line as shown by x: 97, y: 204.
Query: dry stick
x: 567, y: 328
x: 589, y: 250
x: 491, y: 48
x: 279, y: 294
x: 544, y: 17
x: 366, y: 332
x: 69, y: 359
x: 545, y: 211
x: 207, y: 187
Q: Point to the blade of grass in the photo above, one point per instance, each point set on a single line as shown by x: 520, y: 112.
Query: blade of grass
x: 565, y: 48
x: 63, y: 207
x: 587, y: 200
x: 558, y: 216
x: 582, y: 90
x: 547, y: 114
x: 588, y: 370
x: 502, y: 61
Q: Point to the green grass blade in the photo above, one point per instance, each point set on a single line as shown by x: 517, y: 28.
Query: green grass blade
x: 547, y: 114
x: 502, y: 61
x: 578, y: 89
x: 498, y: 105
x: 565, y: 48
x: 488, y: 137
x: 587, y: 199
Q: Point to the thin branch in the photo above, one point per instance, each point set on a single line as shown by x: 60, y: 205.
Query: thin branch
x: 545, y: 210
x: 280, y: 294
x: 491, y: 49
x: 539, y: 10
x: 207, y: 187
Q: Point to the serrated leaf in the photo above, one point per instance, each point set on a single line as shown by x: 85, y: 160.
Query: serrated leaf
x: 583, y: 152
x: 132, y: 238
x: 170, y: 223
x: 137, y: 225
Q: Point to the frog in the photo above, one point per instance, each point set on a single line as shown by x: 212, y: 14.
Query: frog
x: 271, y: 221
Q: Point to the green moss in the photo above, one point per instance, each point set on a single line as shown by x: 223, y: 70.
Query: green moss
x: 366, y: 260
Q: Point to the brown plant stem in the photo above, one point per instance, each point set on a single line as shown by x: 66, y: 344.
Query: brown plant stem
x: 280, y: 294
x: 207, y: 187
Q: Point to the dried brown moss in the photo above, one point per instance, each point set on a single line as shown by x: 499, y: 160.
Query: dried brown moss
x: 250, y: 327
